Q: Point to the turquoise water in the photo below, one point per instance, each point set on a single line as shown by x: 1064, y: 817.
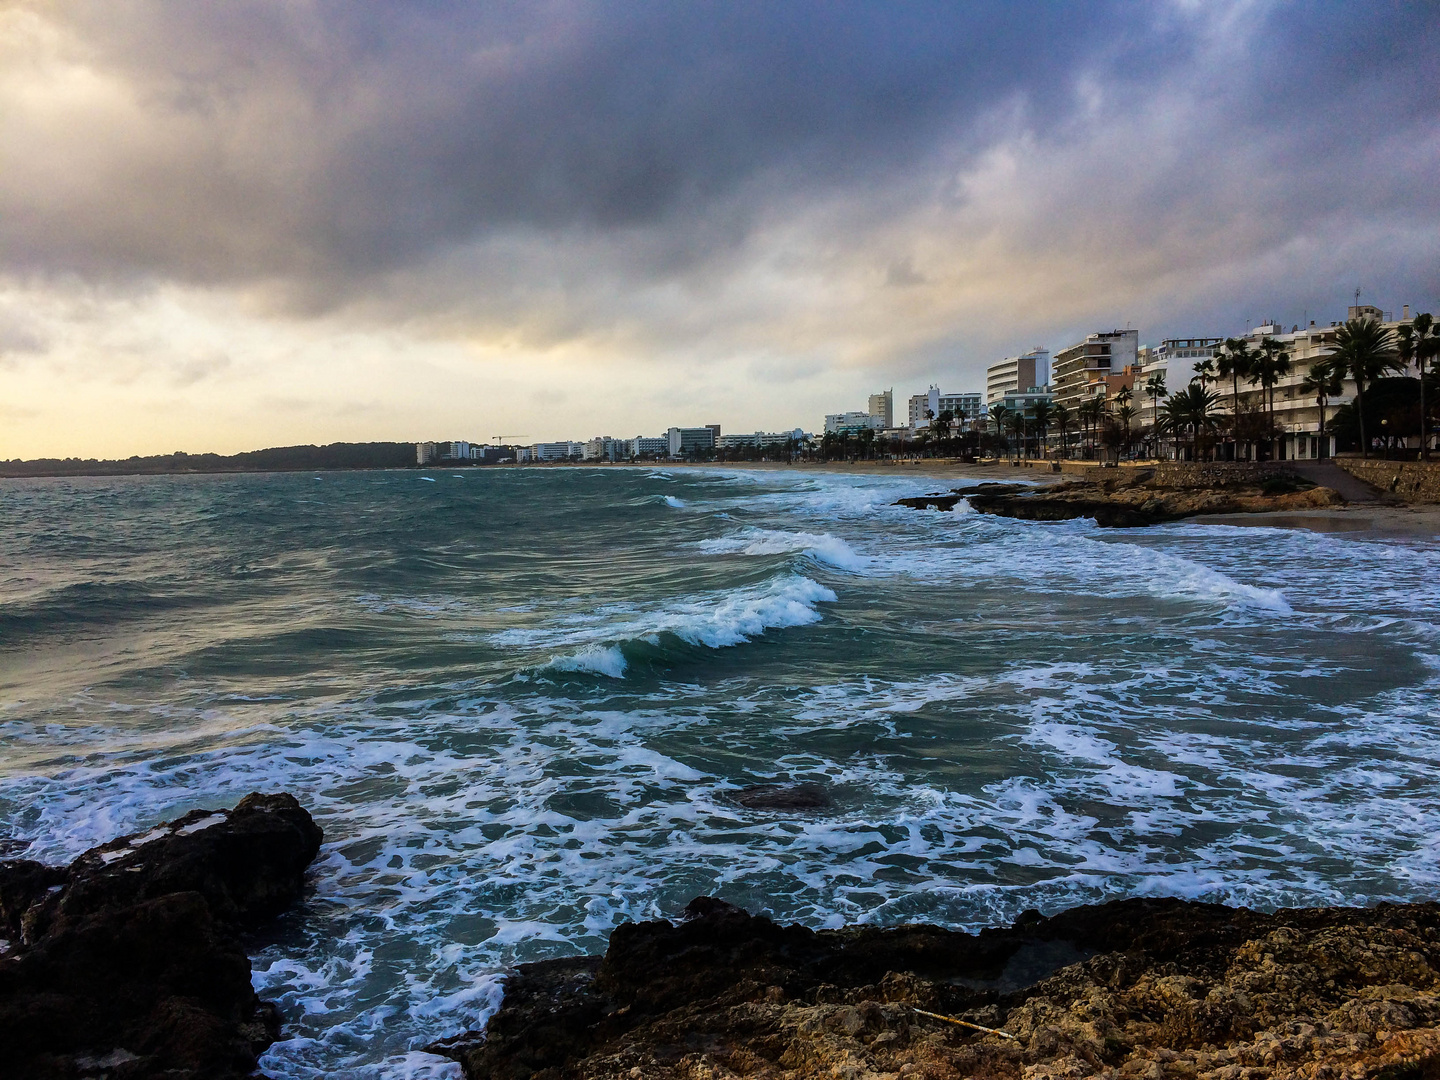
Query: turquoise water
x: 517, y: 699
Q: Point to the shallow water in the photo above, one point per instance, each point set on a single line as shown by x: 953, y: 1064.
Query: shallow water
x: 517, y: 699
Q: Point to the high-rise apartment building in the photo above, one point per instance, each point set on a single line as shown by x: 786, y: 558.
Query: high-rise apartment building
x: 1080, y: 371
x: 883, y: 406
x: 1017, y: 375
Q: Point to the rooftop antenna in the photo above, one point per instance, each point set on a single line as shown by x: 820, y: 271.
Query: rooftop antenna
x: 1357, y: 295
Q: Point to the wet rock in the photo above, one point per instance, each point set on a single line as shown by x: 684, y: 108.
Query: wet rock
x: 1140, y: 499
x: 1149, y: 989
x: 806, y: 796
x: 929, y: 502
x: 129, y: 962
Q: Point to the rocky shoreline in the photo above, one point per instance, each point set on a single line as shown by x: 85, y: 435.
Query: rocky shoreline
x: 1135, y: 498
x: 1130, y: 990
x: 130, y: 963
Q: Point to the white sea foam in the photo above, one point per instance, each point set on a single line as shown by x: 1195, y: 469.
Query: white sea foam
x: 671, y: 500
x: 822, y: 547
x: 598, y: 661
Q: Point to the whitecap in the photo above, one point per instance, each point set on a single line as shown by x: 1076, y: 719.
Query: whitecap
x: 822, y: 547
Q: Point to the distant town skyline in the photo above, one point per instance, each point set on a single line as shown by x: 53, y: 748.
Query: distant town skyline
x: 264, y: 223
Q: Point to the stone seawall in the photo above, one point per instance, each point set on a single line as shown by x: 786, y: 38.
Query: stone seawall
x: 1412, y: 481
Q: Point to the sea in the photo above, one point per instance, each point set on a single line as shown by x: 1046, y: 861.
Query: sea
x: 521, y: 702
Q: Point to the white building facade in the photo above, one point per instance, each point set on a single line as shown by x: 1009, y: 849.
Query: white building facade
x: 1017, y: 374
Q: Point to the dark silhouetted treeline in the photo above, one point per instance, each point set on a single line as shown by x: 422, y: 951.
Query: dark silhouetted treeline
x: 377, y: 455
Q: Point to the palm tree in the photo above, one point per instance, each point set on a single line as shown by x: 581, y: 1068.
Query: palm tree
x: 999, y: 415
x: 1232, y: 361
x: 1365, y: 351
x: 1155, y: 387
x: 1017, y: 425
x: 1269, y: 365
x: 1060, y: 417
x: 1324, y: 382
x: 1124, y: 412
x: 1192, y: 408
x: 1419, y: 341
x: 1042, y: 414
x: 1091, y: 411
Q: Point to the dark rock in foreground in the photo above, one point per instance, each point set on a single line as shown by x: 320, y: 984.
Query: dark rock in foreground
x: 1131, y: 990
x: 128, y: 963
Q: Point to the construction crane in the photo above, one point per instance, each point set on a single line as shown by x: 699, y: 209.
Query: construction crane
x: 501, y: 438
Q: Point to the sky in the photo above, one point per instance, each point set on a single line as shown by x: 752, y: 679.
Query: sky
x: 269, y: 222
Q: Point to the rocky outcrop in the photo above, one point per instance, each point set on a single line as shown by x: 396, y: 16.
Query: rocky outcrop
x: 128, y: 963
x: 1132, y: 990
x: 1138, y: 497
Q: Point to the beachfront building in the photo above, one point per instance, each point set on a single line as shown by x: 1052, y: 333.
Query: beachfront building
x: 1016, y: 374
x: 1297, y: 413
x: 762, y: 440
x: 605, y: 448
x: 1080, y: 372
x: 424, y: 453
x: 1175, y: 360
x: 852, y: 422
x: 644, y: 446
x: 556, y: 451
x: 964, y: 407
x: 687, y: 442
x: 882, y: 407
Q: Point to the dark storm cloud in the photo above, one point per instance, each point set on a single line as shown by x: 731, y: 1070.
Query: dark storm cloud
x: 281, y: 138
x: 314, y: 145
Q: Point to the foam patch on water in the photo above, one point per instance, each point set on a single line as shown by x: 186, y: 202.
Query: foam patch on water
x: 822, y: 547
x: 671, y: 500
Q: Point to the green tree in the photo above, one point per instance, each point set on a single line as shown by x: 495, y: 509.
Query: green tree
x: 1418, y: 342
x: 1365, y: 351
x: 1191, y: 410
x: 1042, y: 414
x: 1155, y: 387
x: 1000, y: 417
x: 1124, y: 413
x: 1061, y: 418
x: 1232, y: 361
x: 1270, y: 364
x: 1324, y: 383
x: 1017, y: 427
x: 1091, y: 410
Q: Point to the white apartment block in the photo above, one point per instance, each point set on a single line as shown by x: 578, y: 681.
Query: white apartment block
x: 683, y: 441
x: 1296, y: 412
x: 605, y: 448
x: 964, y: 407
x: 760, y: 439
x: 882, y: 406
x: 645, y: 446
x: 556, y: 451
x: 1017, y: 374
x: 1080, y: 371
x: 1175, y: 360
x: 853, y: 421
x: 424, y: 453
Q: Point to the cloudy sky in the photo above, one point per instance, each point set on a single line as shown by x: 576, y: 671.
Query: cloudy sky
x: 262, y: 222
